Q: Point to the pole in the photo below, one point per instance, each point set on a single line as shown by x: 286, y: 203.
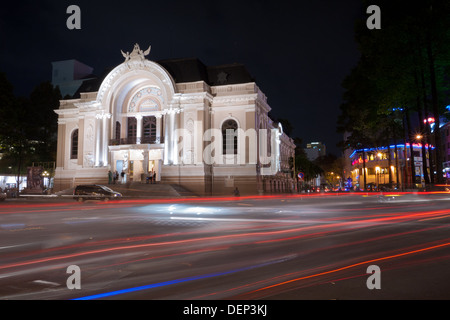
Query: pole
x: 364, y: 170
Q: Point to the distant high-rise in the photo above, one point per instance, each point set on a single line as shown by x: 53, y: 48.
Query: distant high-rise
x: 69, y: 75
x: 314, y: 150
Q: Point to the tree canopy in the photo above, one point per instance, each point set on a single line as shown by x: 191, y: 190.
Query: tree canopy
x: 28, y: 126
x: 403, y: 69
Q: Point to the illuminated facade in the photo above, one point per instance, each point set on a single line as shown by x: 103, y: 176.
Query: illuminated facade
x: 381, y: 168
x: 141, y: 120
x: 445, y: 129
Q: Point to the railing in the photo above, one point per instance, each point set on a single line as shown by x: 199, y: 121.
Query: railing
x: 135, y: 140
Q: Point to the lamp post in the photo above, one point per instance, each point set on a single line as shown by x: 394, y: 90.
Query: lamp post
x: 380, y: 158
x: 429, y: 122
x: 421, y: 139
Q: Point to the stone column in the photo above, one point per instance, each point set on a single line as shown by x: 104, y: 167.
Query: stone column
x: 98, y: 136
x: 169, y: 137
x: 138, y: 128
x: 172, y: 135
x: 166, y: 138
x: 158, y: 170
x: 105, y: 136
x: 145, y: 164
x: 158, y: 128
x: 176, y: 121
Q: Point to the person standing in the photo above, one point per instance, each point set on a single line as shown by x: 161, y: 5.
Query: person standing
x: 110, y: 177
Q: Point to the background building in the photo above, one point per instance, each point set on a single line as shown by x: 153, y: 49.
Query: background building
x: 69, y: 75
x: 315, y: 150
x: 387, y: 167
x: 445, y: 130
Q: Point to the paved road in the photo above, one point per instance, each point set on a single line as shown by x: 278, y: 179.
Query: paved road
x: 289, y: 248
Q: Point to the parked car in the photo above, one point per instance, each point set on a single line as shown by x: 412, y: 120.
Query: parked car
x: 94, y: 192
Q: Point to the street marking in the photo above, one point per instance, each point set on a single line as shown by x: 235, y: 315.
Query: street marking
x: 239, y: 220
x: 7, y: 247
x: 27, y: 229
x: 46, y: 282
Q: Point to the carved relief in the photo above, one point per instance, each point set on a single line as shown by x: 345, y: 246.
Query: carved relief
x: 89, y: 134
x: 88, y: 160
x: 148, y: 99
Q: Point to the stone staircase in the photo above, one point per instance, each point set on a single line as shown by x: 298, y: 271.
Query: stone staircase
x: 142, y: 190
x: 156, y: 190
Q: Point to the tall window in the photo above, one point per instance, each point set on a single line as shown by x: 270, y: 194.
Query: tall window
x: 74, y: 145
x: 229, y: 137
x: 117, y: 134
x: 132, y: 127
x: 149, y: 129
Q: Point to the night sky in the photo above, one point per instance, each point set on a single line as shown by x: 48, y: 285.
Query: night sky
x: 297, y: 51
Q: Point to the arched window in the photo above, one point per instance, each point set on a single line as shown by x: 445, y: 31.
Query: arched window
x: 74, y: 145
x: 229, y: 137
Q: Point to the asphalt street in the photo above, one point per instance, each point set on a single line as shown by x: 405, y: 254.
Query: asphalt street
x: 311, y: 247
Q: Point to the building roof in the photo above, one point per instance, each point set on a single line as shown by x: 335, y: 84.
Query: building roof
x: 185, y: 70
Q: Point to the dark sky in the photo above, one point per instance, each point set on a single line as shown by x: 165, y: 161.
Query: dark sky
x: 298, y: 51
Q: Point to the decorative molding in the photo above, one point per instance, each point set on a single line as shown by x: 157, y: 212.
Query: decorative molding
x: 103, y: 115
x: 151, y: 93
x: 136, y: 65
x: 88, y: 104
x: 238, y: 99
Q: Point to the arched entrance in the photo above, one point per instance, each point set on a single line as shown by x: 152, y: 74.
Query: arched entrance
x: 136, y: 98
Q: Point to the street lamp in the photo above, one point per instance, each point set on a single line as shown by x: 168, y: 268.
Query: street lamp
x: 45, y: 175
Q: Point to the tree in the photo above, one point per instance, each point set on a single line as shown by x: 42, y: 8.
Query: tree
x: 44, y: 100
x: 412, y: 44
x: 14, y: 133
x: 28, y: 128
x: 303, y: 164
